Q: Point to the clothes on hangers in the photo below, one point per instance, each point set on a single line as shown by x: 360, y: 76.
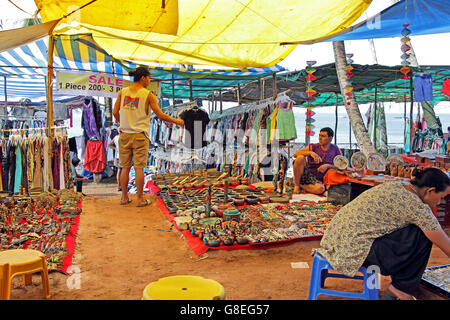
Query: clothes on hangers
x: 24, y: 162
x: 285, y: 122
x: 247, y: 131
x: 94, y: 158
x: 446, y: 86
x: 90, y: 123
x: 423, y: 87
x: 195, y: 122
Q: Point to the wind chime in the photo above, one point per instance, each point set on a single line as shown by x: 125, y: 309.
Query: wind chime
x: 310, y: 98
x: 405, y: 48
x: 349, y: 74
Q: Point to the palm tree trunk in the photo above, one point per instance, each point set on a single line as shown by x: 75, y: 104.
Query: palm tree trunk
x: 356, y: 120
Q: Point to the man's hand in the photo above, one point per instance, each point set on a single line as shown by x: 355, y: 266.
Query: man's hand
x: 180, y: 122
x: 316, y: 157
x: 323, y: 168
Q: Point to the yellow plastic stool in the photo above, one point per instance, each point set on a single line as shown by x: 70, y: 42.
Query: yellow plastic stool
x: 184, y: 288
x: 22, y: 262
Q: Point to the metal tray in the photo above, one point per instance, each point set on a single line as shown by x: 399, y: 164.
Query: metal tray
x: 437, y: 287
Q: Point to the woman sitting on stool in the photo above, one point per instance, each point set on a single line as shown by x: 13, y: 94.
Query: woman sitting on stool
x: 390, y: 226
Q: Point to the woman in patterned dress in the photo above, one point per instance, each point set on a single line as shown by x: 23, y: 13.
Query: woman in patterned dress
x: 390, y: 226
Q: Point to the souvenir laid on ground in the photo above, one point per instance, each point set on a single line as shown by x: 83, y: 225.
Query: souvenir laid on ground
x: 210, y: 221
x: 42, y: 222
x: 279, y: 200
x: 394, y: 158
x: 259, y: 225
x: 340, y: 162
x: 358, y: 160
x: 375, y: 162
x: 177, y: 198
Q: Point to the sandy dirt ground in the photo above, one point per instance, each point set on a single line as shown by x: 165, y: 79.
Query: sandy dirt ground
x: 120, y: 250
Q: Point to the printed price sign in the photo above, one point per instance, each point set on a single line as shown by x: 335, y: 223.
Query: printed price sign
x: 100, y: 85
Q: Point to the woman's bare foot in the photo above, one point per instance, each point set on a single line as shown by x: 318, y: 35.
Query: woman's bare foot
x: 400, y: 294
x: 297, y: 189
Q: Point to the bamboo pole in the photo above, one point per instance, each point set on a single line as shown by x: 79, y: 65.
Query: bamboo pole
x: 50, y: 121
x: 220, y: 95
x: 239, y: 94
x: 404, y: 121
x: 6, y: 95
x: 375, y: 137
x: 274, y: 85
x: 336, y: 123
x: 411, y: 91
x: 173, y: 90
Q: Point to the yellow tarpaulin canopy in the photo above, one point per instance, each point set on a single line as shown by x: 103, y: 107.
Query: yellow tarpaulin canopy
x: 138, y: 15
x: 236, y: 33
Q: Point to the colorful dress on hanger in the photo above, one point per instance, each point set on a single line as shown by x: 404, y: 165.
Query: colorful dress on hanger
x: 286, y: 129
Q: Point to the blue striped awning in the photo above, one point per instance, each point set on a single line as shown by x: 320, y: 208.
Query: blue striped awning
x: 25, y: 69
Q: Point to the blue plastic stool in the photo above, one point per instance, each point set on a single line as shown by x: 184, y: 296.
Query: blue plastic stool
x: 320, y: 272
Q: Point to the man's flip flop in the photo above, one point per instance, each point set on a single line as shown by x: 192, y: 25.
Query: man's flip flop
x: 146, y: 203
x: 122, y: 203
x: 390, y: 297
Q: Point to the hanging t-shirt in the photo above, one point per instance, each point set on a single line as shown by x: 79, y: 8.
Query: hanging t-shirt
x: 195, y: 122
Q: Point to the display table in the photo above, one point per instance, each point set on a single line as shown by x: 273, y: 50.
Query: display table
x: 345, y: 193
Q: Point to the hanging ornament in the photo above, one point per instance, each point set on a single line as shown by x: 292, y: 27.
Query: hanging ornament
x: 310, y: 113
x: 405, y: 49
x: 310, y: 92
x: 349, y: 74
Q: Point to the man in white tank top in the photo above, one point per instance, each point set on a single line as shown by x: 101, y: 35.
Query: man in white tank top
x: 133, y: 111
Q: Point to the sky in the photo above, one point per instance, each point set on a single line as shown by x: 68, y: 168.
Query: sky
x: 428, y: 49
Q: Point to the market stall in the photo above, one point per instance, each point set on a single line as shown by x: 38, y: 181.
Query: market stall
x: 362, y: 173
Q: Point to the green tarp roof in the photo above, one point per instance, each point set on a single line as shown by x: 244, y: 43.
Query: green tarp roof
x: 390, y: 87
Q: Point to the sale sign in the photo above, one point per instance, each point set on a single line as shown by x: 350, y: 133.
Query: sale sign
x: 100, y: 85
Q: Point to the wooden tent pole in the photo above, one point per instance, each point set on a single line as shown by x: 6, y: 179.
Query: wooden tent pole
x: 220, y: 95
x: 375, y: 120
x: 239, y: 94
x: 50, y: 121
x: 336, y: 122
x: 6, y: 95
x: 274, y: 85
x: 173, y: 89
x: 404, y: 121
x: 411, y: 91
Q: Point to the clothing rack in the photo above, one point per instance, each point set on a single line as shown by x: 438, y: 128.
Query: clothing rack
x: 33, y: 129
x: 178, y: 107
x: 261, y: 104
